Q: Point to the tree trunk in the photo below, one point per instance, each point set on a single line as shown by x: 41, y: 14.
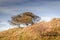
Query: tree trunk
x: 32, y: 23
x: 18, y: 25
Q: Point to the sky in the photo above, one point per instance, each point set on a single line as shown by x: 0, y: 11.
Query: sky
x: 46, y: 9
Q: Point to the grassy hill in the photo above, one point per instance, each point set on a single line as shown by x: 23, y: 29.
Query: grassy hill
x: 41, y: 31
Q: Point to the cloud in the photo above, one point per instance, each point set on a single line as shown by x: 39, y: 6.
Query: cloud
x: 12, y: 2
x: 7, y: 10
x: 3, y: 28
x: 44, y: 9
x: 1, y: 20
x: 18, y: 2
x: 46, y: 18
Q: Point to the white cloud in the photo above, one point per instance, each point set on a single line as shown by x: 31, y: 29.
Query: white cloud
x: 47, y: 10
x: 45, y: 18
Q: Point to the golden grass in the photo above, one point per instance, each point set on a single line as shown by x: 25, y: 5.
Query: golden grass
x: 41, y: 31
x: 5, y: 34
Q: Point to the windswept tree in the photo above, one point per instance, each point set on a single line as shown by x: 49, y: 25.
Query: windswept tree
x: 25, y: 18
x: 34, y: 17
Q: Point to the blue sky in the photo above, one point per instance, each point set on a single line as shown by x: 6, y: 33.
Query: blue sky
x: 46, y: 9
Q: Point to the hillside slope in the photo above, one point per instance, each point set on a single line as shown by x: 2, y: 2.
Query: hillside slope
x: 41, y: 31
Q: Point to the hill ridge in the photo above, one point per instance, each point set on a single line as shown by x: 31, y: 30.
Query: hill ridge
x: 40, y: 31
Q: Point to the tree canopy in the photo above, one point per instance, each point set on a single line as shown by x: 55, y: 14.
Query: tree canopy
x: 26, y: 18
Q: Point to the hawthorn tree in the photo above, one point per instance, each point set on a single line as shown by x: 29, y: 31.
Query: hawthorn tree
x: 25, y: 18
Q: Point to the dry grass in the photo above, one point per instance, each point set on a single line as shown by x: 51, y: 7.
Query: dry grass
x: 5, y: 34
x: 41, y: 31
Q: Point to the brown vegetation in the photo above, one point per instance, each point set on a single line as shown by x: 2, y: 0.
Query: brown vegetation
x: 41, y: 31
